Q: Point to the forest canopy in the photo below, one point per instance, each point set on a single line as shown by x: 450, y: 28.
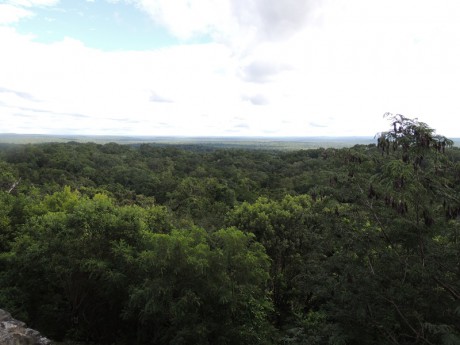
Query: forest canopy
x: 148, y: 244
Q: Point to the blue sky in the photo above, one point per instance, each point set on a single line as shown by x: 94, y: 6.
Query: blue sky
x: 227, y: 67
x: 98, y: 24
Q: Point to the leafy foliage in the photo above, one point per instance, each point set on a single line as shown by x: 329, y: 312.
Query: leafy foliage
x: 148, y: 244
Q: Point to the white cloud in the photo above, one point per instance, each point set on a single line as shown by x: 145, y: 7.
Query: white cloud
x: 273, y: 19
x: 13, y: 11
x: 285, y: 68
x: 68, y: 77
x: 11, y: 14
x: 186, y: 18
x: 238, y: 23
x: 32, y: 3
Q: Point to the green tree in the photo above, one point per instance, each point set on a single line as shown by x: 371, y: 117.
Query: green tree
x: 65, y: 265
x: 287, y: 230
x: 399, y: 276
x: 201, y: 288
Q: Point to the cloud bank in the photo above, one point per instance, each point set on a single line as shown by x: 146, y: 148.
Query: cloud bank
x: 296, y: 67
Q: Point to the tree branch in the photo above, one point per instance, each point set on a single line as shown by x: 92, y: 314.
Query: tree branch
x: 15, y: 184
x: 448, y: 288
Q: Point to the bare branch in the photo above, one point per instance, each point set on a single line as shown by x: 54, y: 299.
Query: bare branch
x: 15, y: 184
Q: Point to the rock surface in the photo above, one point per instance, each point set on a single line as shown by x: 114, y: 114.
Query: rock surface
x: 14, y: 332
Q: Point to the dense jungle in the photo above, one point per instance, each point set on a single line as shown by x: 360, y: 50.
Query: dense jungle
x: 162, y: 244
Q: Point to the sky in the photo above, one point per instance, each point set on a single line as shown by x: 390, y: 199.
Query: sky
x: 228, y: 67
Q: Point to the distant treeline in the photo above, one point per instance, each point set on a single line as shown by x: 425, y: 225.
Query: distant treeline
x: 278, y: 143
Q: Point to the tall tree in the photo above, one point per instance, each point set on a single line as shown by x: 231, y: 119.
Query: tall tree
x: 411, y: 290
